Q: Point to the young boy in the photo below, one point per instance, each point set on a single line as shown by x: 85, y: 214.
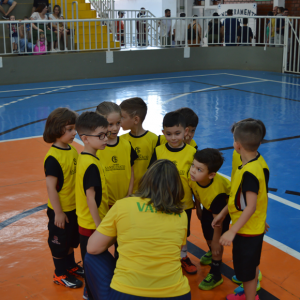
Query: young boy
x: 191, y: 120
x: 247, y: 207
x: 212, y: 191
x: 90, y: 189
x: 133, y: 113
x: 182, y: 155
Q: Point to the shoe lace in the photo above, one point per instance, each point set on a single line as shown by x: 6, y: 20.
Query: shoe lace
x: 209, y: 277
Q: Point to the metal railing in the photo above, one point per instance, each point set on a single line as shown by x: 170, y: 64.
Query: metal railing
x: 117, y: 33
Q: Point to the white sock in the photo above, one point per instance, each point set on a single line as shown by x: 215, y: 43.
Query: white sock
x: 183, y: 251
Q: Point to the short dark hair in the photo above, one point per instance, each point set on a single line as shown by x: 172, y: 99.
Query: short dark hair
x: 215, y: 14
x: 167, y: 10
x: 174, y: 118
x: 229, y: 12
x: 280, y: 8
x: 263, y: 127
x: 248, y: 134
x: 135, y: 107
x: 182, y: 15
x: 191, y: 119
x: 88, y: 121
x: 245, y: 21
x: 270, y: 13
x: 285, y: 9
x: 56, y: 122
x: 210, y: 157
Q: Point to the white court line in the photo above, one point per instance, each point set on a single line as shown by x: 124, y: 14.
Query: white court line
x: 211, y: 88
x: 26, y: 138
x: 263, y: 79
x: 100, y: 83
x: 78, y: 141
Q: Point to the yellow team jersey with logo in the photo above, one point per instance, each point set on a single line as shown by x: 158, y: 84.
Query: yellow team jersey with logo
x: 237, y: 161
x: 67, y: 159
x: 144, y: 146
x: 205, y: 195
x: 183, y: 160
x: 116, y: 161
x: 163, y: 140
x: 149, y: 260
x: 85, y: 219
x: 236, y: 204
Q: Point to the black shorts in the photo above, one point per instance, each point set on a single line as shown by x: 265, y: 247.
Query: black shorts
x: 206, y: 220
x: 246, y: 254
x: 189, y: 215
x: 61, y: 240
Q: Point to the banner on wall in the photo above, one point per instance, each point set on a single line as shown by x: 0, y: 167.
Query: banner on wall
x: 240, y: 11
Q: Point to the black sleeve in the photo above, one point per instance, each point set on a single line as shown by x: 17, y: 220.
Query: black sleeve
x: 218, y: 203
x: 53, y: 168
x: 158, y: 141
x: 153, y: 158
x: 196, y: 147
x: 251, y: 33
x: 267, y: 176
x: 133, y: 156
x: 92, y: 178
x: 250, y: 183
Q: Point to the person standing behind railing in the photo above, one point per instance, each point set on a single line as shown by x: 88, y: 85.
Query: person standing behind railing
x: 40, y: 14
x: 25, y: 35
x: 194, y: 33
x: 180, y: 30
x: 165, y: 29
x: 245, y: 34
x: 280, y: 24
x: 141, y: 28
x: 268, y: 27
x: 230, y: 28
x: 120, y: 28
x: 214, y: 31
x: 273, y: 25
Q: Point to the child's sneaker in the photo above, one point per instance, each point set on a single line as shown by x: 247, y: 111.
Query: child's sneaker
x: 67, y: 281
x: 188, y: 266
x: 239, y: 296
x: 206, y: 258
x: 210, y: 282
x: 240, y: 289
x: 76, y: 271
x: 85, y: 294
x: 235, y: 280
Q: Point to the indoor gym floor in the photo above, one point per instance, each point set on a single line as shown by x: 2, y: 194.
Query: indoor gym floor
x: 219, y: 98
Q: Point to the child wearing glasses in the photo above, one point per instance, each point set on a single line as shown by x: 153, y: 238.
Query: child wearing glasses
x: 90, y: 188
x: 60, y: 170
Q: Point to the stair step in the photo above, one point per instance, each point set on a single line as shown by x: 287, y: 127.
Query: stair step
x: 99, y: 46
x: 79, y: 1
x: 81, y: 6
x: 93, y: 38
x: 88, y: 14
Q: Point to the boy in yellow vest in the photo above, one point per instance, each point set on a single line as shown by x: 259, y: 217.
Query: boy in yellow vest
x: 90, y: 188
x: 247, y: 207
x: 212, y: 191
x: 182, y: 155
x: 133, y: 112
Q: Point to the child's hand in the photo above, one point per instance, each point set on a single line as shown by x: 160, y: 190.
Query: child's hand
x: 217, y: 221
x: 41, y: 30
x: 267, y: 226
x: 199, y: 213
x: 60, y: 220
x: 227, y: 238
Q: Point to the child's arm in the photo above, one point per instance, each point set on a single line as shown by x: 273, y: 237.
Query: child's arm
x: 153, y: 158
x: 60, y: 216
x: 198, y: 208
x: 229, y: 235
x: 131, y: 182
x: 90, y: 199
x: 216, y: 237
x: 218, y: 220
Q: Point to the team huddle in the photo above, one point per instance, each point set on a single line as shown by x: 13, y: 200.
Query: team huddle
x: 83, y: 187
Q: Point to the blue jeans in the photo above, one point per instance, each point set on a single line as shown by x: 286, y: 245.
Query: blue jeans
x: 99, y: 270
x: 24, y: 43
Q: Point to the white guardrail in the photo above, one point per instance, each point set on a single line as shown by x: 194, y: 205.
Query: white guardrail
x: 19, y: 37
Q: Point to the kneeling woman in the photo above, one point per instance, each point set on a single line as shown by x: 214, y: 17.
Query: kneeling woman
x: 150, y: 228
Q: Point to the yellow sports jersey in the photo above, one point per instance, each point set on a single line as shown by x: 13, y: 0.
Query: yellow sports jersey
x: 67, y: 159
x: 162, y: 140
x: 205, y: 195
x: 149, y: 260
x: 143, y: 146
x: 85, y: 218
x: 237, y: 161
x: 236, y: 204
x: 183, y: 160
x: 115, y: 160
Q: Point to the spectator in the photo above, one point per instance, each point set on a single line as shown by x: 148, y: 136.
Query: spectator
x: 120, y: 28
x: 12, y: 5
x: 40, y: 14
x: 13, y: 34
x: 214, y: 31
x: 150, y: 227
x: 40, y: 46
x: 63, y: 27
x: 279, y: 28
x: 141, y: 27
x: 286, y: 14
x: 36, y: 4
x: 268, y: 38
x: 229, y: 29
x: 194, y: 33
x: 165, y: 29
x: 180, y: 30
x: 25, y: 35
x: 245, y: 34
x: 273, y: 21
x: 60, y: 32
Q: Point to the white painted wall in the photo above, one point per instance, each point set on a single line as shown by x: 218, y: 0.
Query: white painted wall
x: 155, y: 6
